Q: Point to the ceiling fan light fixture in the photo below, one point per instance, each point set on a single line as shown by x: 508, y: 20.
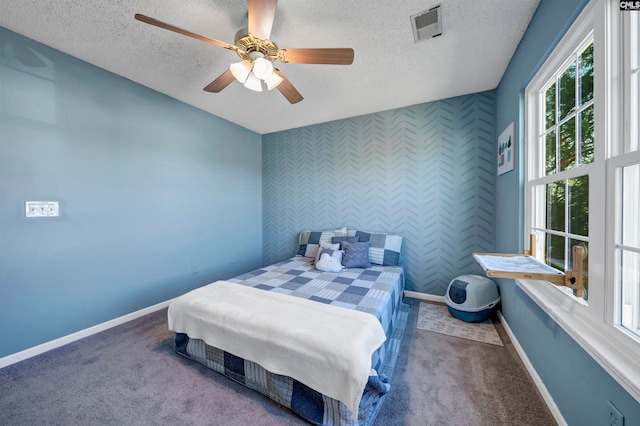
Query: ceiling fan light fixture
x: 241, y: 70
x: 273, y: 81
x: 253, y: 83
x: 262, y: 68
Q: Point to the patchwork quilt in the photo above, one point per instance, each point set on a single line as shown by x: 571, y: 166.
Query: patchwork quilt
x: 376, y: 290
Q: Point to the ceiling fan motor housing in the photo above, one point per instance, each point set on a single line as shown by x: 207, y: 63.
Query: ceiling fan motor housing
x: 249, y: 45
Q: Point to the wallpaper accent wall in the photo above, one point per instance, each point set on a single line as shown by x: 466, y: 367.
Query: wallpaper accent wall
x: 427, y: 171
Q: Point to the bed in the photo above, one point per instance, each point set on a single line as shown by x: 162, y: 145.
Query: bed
x: 366, y: 295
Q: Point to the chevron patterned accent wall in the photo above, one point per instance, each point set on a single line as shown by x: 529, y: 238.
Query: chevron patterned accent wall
x: 427, y: 171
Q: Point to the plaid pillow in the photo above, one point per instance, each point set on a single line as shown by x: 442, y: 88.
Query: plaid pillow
x: 385, y: 248
x: 309, y: 241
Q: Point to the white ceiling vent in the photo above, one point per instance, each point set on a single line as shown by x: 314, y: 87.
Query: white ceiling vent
x: 426, y: 24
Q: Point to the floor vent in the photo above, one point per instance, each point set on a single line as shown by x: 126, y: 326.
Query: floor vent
x: 426, y: 24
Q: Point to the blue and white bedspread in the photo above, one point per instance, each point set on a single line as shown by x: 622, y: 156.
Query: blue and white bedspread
x: 376, y: 290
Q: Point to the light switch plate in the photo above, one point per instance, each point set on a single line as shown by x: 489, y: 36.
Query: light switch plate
x: 42, y: 208
x: 615, y: 416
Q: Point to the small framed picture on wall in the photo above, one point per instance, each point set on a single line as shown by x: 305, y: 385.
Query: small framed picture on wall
x: 506, y: 149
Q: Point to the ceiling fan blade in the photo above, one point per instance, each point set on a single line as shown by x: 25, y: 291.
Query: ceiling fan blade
x: 225, y: 79
x: 160, y: 24
x: 338, y: 56
x: 261, y: 15
x: 287, y: 89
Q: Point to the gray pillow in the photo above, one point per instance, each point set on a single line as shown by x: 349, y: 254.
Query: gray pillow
x: 356, y: 255
x: 340, y: 240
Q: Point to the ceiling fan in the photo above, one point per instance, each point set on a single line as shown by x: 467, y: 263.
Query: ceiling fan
x: 258, y: 53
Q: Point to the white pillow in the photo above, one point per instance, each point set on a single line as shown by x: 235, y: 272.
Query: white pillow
x: 328, y: 263
x: 326, y: 245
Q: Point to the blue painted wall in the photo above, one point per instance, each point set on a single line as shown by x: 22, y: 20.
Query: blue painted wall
x: 425, y: 171
x: 579, y: 386
x: 148, y: 188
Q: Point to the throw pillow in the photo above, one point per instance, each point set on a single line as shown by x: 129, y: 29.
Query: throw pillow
x: 325, y: 245
x: 385, y: 248
x: 309, y: 241
x: 328, y: 263
x: 356, y: 255
x: 344, y: 238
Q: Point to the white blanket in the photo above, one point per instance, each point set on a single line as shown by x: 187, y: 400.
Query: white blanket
x: 327, y: 348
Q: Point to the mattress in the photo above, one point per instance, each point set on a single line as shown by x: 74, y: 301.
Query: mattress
x: 376, y: 290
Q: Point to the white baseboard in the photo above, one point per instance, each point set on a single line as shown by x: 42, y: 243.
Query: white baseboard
x: 424, y: 296
x: 548, y: 399
x: 47, y: 346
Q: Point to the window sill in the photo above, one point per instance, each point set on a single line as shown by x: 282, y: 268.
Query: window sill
x: 609, y: 346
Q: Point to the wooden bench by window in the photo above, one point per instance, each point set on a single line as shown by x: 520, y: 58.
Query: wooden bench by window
x: 527, y: 266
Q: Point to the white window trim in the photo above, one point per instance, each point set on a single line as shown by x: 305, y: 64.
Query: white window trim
x: 592, y: 327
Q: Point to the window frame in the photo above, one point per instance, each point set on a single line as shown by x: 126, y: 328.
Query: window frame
x: 626, y: 154
x: 594, y: 326
x: 614, y: 166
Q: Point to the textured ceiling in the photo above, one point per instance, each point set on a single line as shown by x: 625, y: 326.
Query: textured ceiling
x: 389, y: 69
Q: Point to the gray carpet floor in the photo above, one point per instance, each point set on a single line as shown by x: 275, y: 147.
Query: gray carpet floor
x: 130, y: 375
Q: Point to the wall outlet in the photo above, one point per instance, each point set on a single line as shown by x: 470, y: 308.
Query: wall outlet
x: 42, y: 209
x: 615, y: 416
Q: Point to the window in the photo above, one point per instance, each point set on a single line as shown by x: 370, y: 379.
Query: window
x: 628, y: 245
x: 582, y: 183
x: 564, y: 149
x: 625, y: 167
